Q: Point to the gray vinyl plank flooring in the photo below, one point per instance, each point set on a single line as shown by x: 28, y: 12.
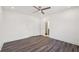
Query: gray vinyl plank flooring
x: 39, y: 44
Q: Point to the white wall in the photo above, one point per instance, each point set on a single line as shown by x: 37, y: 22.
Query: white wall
x: 1, y: 28
x: 65, y: 25
x: 18, y: 25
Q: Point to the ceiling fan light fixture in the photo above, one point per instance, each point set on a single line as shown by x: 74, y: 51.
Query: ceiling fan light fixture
x: 41, y: 8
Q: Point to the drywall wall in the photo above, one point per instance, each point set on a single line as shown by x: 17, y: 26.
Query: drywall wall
x: 1, y: 28
x: 18, y: 25
x: 64, y: 25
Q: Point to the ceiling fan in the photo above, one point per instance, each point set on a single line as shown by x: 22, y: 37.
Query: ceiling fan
x: 41, y: 9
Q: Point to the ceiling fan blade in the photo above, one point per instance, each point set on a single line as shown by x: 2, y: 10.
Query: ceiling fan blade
x: 39, y: 7
x: 42, y: 12
x: 36, y: 7
x: 46, y: 8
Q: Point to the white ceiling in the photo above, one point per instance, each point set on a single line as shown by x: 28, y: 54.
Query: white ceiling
x: 32, y: 11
